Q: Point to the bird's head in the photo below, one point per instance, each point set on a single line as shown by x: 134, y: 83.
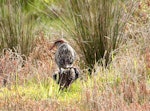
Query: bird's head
x: 57, y: 43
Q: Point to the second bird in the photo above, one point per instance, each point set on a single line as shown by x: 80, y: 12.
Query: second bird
x: 65, y: 54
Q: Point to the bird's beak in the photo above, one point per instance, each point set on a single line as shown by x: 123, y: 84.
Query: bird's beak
x: 52, y: 47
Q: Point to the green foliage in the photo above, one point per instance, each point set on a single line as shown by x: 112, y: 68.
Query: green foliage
x: 16, y: 27
x: 44, y: 89
x: 96, y: 26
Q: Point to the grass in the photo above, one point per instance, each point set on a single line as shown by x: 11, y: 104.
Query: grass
x: 107, y: 86
x: 123, y: 85
x: 16, y: 27
x: 48, y: 89
x: 43, y: 91
x: 96, y: 27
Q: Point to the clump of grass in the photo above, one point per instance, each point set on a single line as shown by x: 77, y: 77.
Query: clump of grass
x: 16, y: 28
x: 10, y: 62
x: 96, y: 26
x: 14, y: 66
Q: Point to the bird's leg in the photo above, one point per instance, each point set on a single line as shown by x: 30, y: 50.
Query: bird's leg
x: 60, y: 71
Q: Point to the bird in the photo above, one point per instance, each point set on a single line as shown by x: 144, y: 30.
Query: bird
x: 66, y: 78
x: 65, y: 55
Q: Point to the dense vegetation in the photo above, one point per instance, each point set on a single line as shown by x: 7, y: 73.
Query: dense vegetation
x: 111, y: 38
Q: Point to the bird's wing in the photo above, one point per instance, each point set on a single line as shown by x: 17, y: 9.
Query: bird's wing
x: 65, y: 55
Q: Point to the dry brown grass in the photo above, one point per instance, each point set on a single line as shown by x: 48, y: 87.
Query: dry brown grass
x: 39, y: 62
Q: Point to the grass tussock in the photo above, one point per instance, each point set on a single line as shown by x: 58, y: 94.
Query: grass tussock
x: 16, y: 27
x: 97, y: 27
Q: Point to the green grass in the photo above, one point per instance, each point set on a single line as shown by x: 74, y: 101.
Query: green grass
x: 48, y: 89
x: 17, y: 28
x: 43, y: 90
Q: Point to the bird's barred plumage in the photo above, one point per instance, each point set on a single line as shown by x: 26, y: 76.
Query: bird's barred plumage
x: 67, y: 77
x: 65, y: 56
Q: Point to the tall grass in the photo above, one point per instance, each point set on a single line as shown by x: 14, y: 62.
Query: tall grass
x: 16, y: 28
x: 96, y: 26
